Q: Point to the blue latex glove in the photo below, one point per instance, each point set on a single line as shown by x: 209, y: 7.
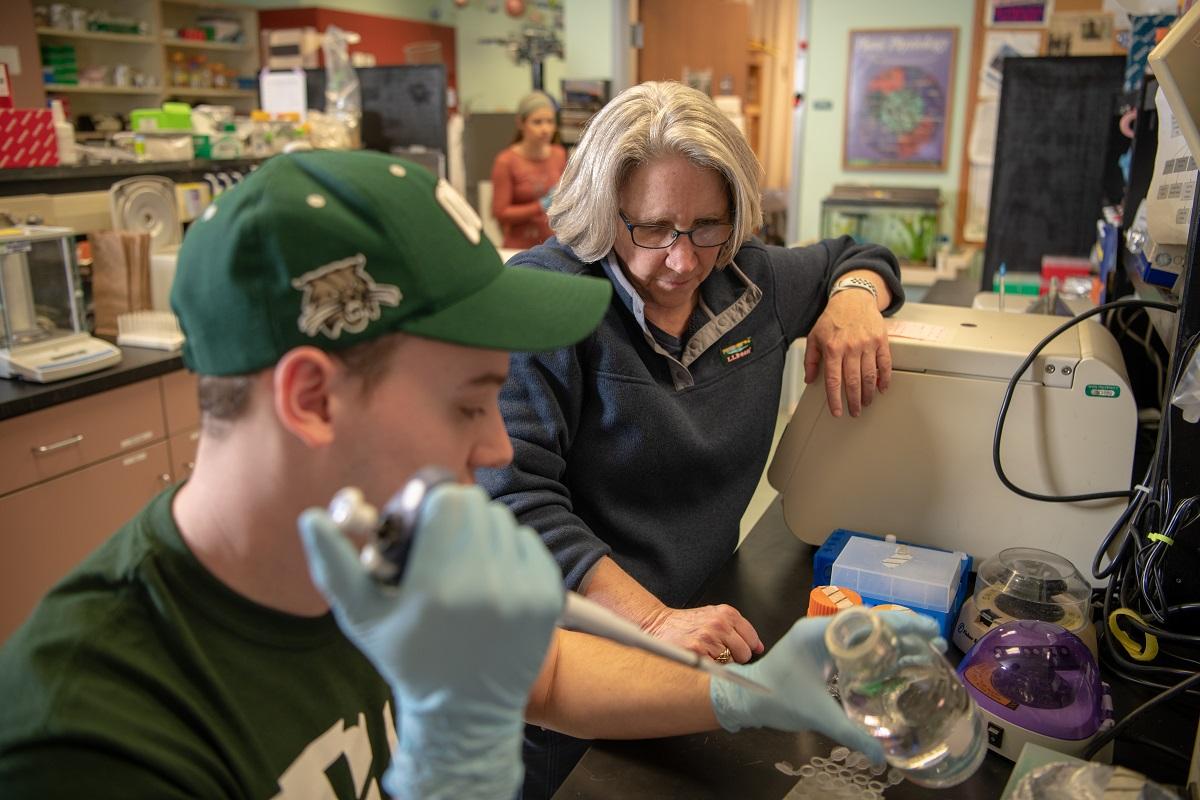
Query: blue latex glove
x: 795, y: 671
x: 547, y: 199
x: 460, y: 640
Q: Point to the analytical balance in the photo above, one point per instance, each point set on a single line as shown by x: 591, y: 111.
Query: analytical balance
x: 42, y: 335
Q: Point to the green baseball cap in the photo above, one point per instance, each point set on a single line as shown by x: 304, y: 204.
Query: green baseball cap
x: 333, y: 248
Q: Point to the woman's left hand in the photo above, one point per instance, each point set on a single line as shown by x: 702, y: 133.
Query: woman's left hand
x: 851, y: 340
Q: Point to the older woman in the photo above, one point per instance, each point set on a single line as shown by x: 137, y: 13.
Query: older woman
x: 638, y: 449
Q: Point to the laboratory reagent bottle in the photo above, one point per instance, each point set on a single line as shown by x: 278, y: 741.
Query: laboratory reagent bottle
x: 903, y: 692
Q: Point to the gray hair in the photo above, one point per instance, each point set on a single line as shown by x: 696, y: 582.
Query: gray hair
x: 641, y: 124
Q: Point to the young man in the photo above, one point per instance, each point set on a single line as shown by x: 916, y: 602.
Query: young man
x: 350, y: 325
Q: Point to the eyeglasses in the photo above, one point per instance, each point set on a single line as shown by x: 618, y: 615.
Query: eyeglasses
x: 660, y: 237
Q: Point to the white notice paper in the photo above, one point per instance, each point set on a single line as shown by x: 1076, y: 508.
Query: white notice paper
x: 920, y: 331
x: 283, y: 92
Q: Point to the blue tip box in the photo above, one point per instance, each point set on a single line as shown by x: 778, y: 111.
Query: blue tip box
x: 926, y: 579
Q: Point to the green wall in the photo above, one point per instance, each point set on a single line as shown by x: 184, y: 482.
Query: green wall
x: 488, y: 79
x: 829, y: 37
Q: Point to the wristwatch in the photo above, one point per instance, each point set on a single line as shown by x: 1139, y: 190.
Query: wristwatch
x: 854, y: 283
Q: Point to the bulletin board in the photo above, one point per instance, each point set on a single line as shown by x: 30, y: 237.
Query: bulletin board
x: 1020, y: 28
x: 1054, y: 159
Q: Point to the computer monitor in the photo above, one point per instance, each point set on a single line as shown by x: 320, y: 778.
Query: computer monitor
x: 402, y: 105
x: 1176, y: 64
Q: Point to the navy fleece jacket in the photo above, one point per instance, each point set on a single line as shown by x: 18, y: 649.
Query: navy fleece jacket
x: 622, y: 449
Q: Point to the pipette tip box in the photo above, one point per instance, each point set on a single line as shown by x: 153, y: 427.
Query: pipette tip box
x: 925, y: 579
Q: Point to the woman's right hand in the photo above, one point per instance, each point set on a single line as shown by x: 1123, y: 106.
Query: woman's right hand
x: 707, y: 630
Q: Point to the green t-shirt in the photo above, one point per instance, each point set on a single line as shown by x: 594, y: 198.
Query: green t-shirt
x: 142, y: 675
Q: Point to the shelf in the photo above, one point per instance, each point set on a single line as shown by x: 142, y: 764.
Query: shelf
x: 196, y: 44
x: 206, y: 5
x: 184, y: 91
x: 72, y: 88
x: 98, y: 36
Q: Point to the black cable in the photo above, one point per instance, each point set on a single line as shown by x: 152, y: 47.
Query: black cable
x: 1162, y: 748
x: 1118, y: 663
x: 1016, y: 378
x: 1112, y: 733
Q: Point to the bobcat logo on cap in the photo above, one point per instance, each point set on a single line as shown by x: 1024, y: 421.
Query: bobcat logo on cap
x: 342, y: 297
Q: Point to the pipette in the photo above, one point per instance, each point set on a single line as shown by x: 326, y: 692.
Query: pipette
x: 390, y: 538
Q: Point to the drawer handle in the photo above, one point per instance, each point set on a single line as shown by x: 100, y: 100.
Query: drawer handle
x: 50, y: 448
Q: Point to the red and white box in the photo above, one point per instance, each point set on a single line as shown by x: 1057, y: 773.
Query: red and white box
x: 27, y: 138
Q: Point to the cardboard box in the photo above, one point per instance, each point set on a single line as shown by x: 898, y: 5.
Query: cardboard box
x: 27, y: 138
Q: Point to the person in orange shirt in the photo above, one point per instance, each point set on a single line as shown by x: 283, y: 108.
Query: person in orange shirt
x: 525, y: 173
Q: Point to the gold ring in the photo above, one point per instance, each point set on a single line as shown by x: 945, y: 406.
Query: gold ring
x: 723, y: 657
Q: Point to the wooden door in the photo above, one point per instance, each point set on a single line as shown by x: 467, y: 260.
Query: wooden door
x: 695, y: 35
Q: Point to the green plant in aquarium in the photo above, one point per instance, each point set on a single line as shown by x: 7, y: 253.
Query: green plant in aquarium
x: 917, y: 238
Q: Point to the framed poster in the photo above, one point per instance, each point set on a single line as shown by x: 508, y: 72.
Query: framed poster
x: 898, y: 97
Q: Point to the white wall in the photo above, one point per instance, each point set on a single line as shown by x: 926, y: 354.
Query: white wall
x: 830, y: 23
x: 488, y: 80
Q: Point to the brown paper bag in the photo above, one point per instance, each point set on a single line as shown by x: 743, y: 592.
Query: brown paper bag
x: 120, y: 276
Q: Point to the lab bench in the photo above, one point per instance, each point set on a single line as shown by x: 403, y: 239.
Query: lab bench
x: 80, y: 457
x: 768, y: 580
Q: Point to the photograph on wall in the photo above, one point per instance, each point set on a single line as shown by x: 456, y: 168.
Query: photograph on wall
x: 898, y: 98
x: 1080, y: 34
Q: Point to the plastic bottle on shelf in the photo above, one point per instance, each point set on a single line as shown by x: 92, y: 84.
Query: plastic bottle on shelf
x: 64, y: 132
x: 903, y: 692
x: 179, y: 69
x: 262, y: 135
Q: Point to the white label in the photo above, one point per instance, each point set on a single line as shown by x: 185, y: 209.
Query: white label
x: 11, y: 56
x: 923, y: 332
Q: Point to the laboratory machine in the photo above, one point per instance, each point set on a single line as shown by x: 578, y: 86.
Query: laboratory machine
x: 917, y: 463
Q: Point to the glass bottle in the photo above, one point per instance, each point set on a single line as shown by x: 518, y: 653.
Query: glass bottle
x: 902, y: 691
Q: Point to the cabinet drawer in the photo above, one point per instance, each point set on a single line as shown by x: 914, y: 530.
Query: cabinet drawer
x: 49, y: 528
x: 47, y: 443
x: 183, y: 453
x: 180, y: 402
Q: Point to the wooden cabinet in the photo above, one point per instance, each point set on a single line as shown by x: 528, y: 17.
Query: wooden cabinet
x: 46, y: 443
x: 72, y: 474
x: 183, y: 421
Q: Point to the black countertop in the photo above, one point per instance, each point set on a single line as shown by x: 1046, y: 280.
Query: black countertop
x: 99, y: 177
x: 768, y: 580
x: 137, y: 363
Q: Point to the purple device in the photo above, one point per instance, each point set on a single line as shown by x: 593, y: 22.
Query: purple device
x: 1036, y: 681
